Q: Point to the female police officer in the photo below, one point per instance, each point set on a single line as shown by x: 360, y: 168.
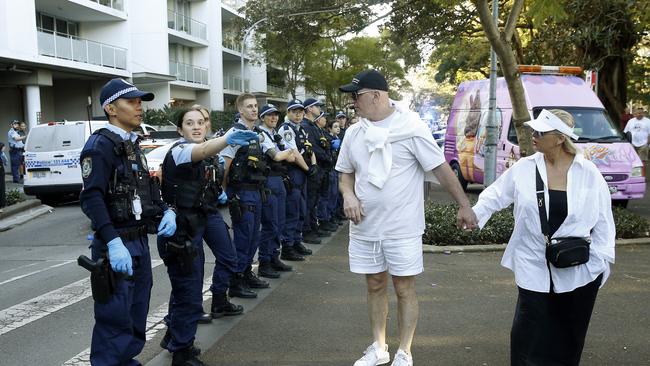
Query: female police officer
x: 122, y: 202
x: 191, y: 183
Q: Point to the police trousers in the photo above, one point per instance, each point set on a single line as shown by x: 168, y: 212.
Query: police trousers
x: 273, y: 218
x: 333, y: 196
x: 247, y: 230
x: 314, y: 187
x: 120, y: 324
x: 549, y: 329
x: 218, y: 239
x: 295, y: 208
x: 16, y: 157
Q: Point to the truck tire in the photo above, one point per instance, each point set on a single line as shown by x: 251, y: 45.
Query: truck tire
x: 456, y: 168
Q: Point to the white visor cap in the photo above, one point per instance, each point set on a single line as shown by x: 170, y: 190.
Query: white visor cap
x: 547, y: 121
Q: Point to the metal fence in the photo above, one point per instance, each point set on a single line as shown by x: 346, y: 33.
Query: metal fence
x: 186, y: 24
x: 81, y: 50
x: 232, y: 82
x: 189, y: 73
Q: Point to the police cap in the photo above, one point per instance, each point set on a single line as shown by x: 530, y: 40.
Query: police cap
x: 119, y: 88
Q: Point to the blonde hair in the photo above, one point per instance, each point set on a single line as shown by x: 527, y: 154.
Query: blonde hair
x: 567, y: 118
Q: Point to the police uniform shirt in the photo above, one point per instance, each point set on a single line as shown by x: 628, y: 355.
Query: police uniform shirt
x: 288, y: 136
x: 182, y: 153
x: 314, y: 134
x: 12, y: 135
x: 267, y: 142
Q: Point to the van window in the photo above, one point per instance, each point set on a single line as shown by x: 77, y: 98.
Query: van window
x: 592, y: 125
x: 56, y: 138
x: 512, y: 133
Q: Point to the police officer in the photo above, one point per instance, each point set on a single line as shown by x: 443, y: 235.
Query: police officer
x: 295, y: 137
x: 334, y: 204
x: 246, y: 173
x: 342, y: 119
x: 16, y: 142
x: 191, y: 183
x: 325, y: 221
x: 273, y: 211
x: 122, y: 202
x: 311, y: 229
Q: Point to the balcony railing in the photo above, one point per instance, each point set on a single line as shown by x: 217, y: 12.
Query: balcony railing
x: 186, y: 24
x: 189, y: 73
x: 231, y: 42
x: 278, y: 91
x: 81, y: 50
x: 235, y: 4
x: 115, y: 4
x: 232, y: 82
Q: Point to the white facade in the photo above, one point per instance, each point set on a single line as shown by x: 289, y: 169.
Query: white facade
x: 55, y: 54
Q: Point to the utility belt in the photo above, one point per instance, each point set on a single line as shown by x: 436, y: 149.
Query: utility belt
x: 238, y: 209
x: 132, y: 233
x: 19, y: 149
x: 248, y: 186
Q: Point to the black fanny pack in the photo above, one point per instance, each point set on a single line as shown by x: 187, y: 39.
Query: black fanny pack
x: 560, y: 252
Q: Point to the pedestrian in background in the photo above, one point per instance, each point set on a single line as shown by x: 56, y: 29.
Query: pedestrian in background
x: 3, y: 164
x: 639, y: 128
x: 382, y: 167
x: 16, y: 142
x: 554, y: 305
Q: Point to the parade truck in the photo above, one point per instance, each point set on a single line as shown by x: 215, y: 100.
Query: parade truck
x: 545, y: 87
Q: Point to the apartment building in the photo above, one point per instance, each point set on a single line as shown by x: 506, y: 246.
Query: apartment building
x: 56, y: 54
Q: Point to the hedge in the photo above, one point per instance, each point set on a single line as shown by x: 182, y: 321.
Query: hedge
x: 14, y: 196
x: 441, y: 226
x: 166, y: 115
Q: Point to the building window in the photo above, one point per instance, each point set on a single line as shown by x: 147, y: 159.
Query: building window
x: 61, y: 27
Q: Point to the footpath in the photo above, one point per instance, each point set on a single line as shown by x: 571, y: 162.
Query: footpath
x: 317, y: 314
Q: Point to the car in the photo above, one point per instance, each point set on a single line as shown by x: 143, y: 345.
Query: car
x: 439, y: 136
x: 156, y: 156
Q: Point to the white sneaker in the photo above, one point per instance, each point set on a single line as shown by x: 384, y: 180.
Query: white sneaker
x: 374, y: 356
x: 402, y: 359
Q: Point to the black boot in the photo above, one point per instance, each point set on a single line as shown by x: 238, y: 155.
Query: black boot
x: 300, y: 249
x: 221, y: 306
x: 290, y: 254
x: 266, y: 270
x: 310, y: 238
x: 164, y: 342
x: 277, y: 265
x: 330, y: 226
x: 186, y: 357
x: 205, y: 318
x: 322, y: 233
x: 253, y: 281
x: 239, y: 287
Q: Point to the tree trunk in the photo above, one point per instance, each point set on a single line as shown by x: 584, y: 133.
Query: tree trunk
x: 612, y: 86
x: 506, y: 57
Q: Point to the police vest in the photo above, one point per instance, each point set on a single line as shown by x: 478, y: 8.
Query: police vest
x: 192, y: 186
x: 299, y: 132
x: 131, y: 183
x: 277, y: 168
x: 249, y: 164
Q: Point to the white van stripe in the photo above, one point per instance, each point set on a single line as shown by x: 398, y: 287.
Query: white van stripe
x: 34, y: 272
x: 46, y: 304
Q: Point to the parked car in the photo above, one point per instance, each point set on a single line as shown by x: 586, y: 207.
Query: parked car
x: 156, y: 156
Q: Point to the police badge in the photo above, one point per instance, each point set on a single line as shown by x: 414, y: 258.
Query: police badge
x: 288, y: 136
x: 86, y: 167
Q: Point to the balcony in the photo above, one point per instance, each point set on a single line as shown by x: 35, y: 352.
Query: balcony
x: 230, y: 42
x: 189, y: 73
x: 234, y: 4
x: 84, y: 10
x: 115, y: 4
x: 187, y: 26
x: 80, y: 50
x: 232, y: 82
x: 278, y: 91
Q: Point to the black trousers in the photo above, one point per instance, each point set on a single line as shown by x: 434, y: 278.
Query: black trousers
x: 549, y: 329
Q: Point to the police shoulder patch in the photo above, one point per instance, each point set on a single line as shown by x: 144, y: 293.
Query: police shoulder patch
x: 262, y: 137
x: 86, y: 167
x: 144, y: 162
x: 288, y: 136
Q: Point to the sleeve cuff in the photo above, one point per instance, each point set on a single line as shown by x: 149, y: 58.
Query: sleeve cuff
x: 107, y: 233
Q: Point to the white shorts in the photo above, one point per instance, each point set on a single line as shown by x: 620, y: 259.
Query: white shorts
x: 401, y: 257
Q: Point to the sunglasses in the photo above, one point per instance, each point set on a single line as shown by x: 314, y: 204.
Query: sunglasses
x: 355, y: 95
x: 539, y: 134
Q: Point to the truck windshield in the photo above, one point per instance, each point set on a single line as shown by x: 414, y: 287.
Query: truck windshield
x: 56, y: 138
x: 592, y: 125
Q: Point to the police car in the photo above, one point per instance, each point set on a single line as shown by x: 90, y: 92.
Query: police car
x: 52, y: 158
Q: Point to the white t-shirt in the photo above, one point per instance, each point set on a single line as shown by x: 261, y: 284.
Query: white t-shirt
x: 397, y: 210
x: 640, y: 129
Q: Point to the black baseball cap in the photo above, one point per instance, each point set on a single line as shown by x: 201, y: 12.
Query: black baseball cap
x: 119, y: 88
x: 268, y: 109
x: 295, y: 104
x: 310, y: 102
x: 368, y: 79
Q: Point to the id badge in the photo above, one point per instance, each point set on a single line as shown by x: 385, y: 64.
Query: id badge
x: 136, y: 206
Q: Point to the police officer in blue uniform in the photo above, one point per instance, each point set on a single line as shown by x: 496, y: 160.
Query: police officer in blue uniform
x: 246, y: 172
x: 122, y: 202
x: 311, y: 228
x: 325, y: 221
x: 191, y: 183
x: 274, y: 210
x: 16, y: 150
x: 295, y: 137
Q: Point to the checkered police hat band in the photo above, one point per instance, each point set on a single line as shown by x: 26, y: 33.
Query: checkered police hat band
x: 117, y: 95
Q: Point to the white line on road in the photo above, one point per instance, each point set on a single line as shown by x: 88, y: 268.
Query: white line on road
x: 35, y: 272
x: 21, y: 267
x: 34, y: 309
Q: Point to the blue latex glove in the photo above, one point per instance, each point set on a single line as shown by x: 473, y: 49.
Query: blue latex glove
x: 167, y: 225
x: 119, y: 256
x: 222, y: 161
x: 241, y: 137
x: 336, y: 144
x: 223, y: 198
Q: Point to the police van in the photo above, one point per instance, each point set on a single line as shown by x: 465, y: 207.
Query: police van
x: 52, y: 152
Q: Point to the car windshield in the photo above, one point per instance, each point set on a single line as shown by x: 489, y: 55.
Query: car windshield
x: 592, y: 125
x: 159, y: 152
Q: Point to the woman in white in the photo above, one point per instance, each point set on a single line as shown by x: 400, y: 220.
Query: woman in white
x: 554, y: 304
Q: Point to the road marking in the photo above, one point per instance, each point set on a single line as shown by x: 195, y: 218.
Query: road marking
x: 35, y: 272
x: 34, y: 309
x: 154, y: 325
x: 21, y: 267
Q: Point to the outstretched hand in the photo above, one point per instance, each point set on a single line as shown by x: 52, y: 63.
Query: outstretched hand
x: 241, y: 137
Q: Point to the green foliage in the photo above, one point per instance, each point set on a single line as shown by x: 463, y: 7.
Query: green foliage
x: 221, y: 119
x: 629, y: 225
x: 14, y: 196
x: 167, y: 115
x: 441, y: 226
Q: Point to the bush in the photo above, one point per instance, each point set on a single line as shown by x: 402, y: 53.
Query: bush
x: 14, y: 196
x: 167, y: 115
x: 441, y: 228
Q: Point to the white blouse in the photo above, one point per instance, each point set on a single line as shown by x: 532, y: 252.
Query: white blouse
x: 589, y: 214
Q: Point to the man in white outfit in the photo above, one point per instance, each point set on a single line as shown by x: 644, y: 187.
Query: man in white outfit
x: 639, y: 127
x: 383, y: 162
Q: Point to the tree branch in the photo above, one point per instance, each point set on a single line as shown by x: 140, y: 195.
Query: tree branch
x: 511, y: 24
